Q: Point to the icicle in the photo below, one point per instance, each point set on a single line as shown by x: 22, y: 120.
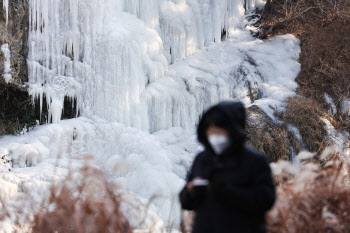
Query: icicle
x: 7, y: 63
x: 55, y: 110
x: 105, y: 58
x: 6, y: 7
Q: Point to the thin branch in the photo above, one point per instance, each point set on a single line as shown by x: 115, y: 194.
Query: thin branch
x: 283, y: 23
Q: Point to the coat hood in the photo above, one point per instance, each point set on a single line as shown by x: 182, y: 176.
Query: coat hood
x: 232, y: 117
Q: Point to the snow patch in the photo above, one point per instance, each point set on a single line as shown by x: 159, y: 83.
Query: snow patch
x: 340, y: 139
x: 305, y: 155
x: 329, y: 100
x: 284, y: 167
x: 345, y: 106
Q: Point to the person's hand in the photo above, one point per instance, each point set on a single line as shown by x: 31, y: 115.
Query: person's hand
x: 218, y: 186
x: 191, y: 185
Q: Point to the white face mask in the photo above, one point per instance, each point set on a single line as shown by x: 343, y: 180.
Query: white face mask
x: 219, y: 143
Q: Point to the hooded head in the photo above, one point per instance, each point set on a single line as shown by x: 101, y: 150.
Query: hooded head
x: 228, y: 115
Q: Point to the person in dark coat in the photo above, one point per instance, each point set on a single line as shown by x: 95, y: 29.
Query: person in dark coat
x: 229, y: 186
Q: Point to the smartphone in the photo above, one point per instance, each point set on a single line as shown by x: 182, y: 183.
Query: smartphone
x: 201, y: 182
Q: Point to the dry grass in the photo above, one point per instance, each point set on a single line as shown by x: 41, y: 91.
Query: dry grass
x: 317, y: 201
x: 305, y: 115
x: 89, y: 206
x: 81, y: 203
x: 187, y: 221
x: 85, y: 202
x: 267, y: 137
x: 271, y: 141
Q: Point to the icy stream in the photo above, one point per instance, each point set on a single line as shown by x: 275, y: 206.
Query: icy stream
x: 141, y: 73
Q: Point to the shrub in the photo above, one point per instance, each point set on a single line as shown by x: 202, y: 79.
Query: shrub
x: 323, y: 29
x: 305, y: 115
x: 80, y: 207
x: 267, y: 137
x: 318, y: 200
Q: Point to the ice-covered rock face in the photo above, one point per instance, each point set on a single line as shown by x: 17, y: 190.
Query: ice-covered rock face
x: 103, y: 54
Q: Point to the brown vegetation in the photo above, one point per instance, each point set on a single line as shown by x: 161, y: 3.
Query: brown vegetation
x: 314, y: 199
x: 305, y: 115
x: 323, y: 28
x: 317, y: 201
x: 81, y: 203
x: 273, y: 142
x: 90, y: 206
x: 267, y: 137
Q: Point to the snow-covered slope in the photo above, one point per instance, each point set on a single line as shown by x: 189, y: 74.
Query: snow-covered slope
x: 141, y: 73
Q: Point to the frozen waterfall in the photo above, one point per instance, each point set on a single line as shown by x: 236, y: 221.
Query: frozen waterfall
x: 105, y: 54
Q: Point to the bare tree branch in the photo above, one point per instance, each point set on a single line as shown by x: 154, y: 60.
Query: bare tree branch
x: 285, y: 22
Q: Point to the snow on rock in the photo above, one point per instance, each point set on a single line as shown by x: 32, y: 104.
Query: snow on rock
x: 23, y: 155
x: 226, y: 71
x: 5, y: 161
x: 7, y: 63
x: 278, y: 75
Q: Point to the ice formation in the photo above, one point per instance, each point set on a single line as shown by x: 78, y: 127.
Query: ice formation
x: 7, y: 63
x: 5, y: 5
x: 141, y: 73
x: 105, y: 55
x: 142, y: 163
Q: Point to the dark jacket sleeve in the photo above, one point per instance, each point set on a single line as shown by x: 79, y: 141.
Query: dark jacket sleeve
x: 191, y: 200
x: 187, y: 199
x: 258, y: 198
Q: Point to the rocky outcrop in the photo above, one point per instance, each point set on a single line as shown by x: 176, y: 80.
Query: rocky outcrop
x: 17, y: 110
x: 272, y: 139
x: 14, y: 32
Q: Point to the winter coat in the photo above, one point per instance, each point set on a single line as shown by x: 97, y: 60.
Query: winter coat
x: 240, y: 189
